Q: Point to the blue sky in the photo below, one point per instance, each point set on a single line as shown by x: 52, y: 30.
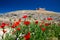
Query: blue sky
x: 13, y: 5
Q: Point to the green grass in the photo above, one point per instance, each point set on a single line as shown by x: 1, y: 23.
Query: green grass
x: 52, y: 31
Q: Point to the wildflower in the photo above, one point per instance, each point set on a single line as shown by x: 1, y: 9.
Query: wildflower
x: 43, y: 29
x: 25, y: 16
x: 26, y: 22
x: 0, y: 26
x: 27, y: 36
x: 15, y: 24
x: 49, y: 18
x: 7, y: 24
x: 4, y: 31
x: 18, y: 29
x: 36, y: 22
x: 46, y: 24
x: 3, y: 25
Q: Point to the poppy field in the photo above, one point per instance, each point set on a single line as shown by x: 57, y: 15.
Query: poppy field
x: 29, y: 29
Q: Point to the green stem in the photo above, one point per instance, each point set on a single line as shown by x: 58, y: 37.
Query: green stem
x: 3, y: 35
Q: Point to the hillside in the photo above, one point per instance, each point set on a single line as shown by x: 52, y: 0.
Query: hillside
x: 36, y: 14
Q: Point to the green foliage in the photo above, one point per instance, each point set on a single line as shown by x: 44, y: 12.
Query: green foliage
x: 36, y: 33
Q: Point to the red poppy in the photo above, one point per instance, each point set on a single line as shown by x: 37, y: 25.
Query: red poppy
x: 18, y: 29
x: 7, y: 24
x: 15, y: 24
x: 26, y: 22
x: 43, y: 29
x: 4, y: 31
x: 25, y: 16
x: 3, y: 25
x: 46, y: 24
x: 27, y: 36
x: 36, y: 22
x: 0, y: 26
x: 49, y: 18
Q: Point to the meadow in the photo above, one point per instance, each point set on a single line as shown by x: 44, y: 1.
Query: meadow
x: 31, y: 29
